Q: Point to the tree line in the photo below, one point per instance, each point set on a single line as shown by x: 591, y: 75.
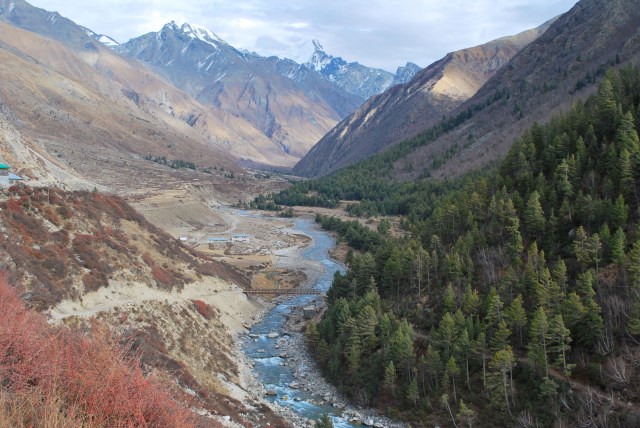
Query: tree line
x: 510, y: 282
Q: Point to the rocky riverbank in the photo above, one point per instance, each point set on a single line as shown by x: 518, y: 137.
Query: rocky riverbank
x: 308, y: 376
x: 276, y: 347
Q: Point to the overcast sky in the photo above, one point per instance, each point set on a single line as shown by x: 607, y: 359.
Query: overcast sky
x: 376, y: 33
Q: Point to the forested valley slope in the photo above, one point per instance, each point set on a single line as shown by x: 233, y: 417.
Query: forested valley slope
x: 513, y: 295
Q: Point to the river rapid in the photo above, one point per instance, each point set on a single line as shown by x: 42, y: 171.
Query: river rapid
x: 270, y: 368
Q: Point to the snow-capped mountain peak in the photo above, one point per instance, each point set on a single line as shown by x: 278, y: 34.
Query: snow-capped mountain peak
x: 353, y: 77
x: 317, y: 46
x: 105, y: 40
x: 201, y: 33
x: 303, y: 53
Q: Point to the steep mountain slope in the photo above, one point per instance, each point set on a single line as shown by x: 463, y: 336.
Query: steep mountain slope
x: 405, y: 110
x: 353, y: 77
x: 562, y: 65
x: 92, y: 103
x: 288, y: 104
x: 88, y: 254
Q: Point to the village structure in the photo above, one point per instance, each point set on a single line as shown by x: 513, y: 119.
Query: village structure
x: 8, y: 178
x: 237, y: 237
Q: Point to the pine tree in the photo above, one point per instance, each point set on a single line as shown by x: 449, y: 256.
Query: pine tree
x: 559, y: 338
x: 412, y: 392
x: 464, y: 347
x: 534, y: 216
x: 633, y: 266
x: 573, y: 311
x: 322, y: 352
x: 353, y: 352
x: 617, y: 248
x: 447, y: 334
x: 514, y: 239
x: 500, y: 338
x: 312, y: 335
x: 390, y: 378
x: 559, y: 275
x: 547, y: 292
x: 494, y: 309
x: 517, y: 316
x: 625, y: 171
x: 342, y: 315
x: 591, y: 326
x: 619, y: 212
x: 501, y: 382
x: 470, y: 300
x: 452, y: 371
x: 401, y: 349
x: 482, y: 350
x: 466, y: 415
x: 563, y: 185
x: 366, y: 322
x: 633, y: 323
x: 449, y: 299
x: 626, y: 136
x: 538, y: 332
x: 608, y: 116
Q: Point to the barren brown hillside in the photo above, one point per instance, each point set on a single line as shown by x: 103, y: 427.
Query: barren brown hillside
x: 405, y: 110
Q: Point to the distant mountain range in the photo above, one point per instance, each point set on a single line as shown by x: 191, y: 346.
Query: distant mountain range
x: 353, y: 77
x: 292, y: 102
x: 404, y: 110
x: 70, y: 107
x: 291, y: 106
x: 262, y: 111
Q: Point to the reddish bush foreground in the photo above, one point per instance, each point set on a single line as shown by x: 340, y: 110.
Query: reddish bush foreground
x: 57, y: 378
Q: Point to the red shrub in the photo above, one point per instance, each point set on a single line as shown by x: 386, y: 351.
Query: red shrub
x: 146, y: 257
x: 203, y: 309
x: 57, y: 378
x: 163, y: 277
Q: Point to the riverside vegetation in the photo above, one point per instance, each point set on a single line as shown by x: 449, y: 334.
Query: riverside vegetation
x: 514, y: 296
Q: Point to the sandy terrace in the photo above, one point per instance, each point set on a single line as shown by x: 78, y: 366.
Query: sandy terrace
x: 197, y: 218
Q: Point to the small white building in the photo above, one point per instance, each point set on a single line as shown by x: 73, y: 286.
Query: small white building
x: 7, y: 178
x: 240, y: 238
x: 217, y: 240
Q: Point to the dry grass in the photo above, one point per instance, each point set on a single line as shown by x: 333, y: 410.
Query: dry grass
x: 62, y: 245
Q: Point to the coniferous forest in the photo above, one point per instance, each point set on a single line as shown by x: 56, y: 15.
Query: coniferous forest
x: 508, y: 286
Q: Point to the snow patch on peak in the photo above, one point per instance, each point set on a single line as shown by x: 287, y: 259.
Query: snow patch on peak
x: 107, y: 41
x: 309, y: 53
x: 202, y: 33
x: 301, y: 53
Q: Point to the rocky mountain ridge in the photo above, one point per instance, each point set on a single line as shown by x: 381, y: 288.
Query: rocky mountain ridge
x: 564, y: 64
x: 353, y: 77
x: 404, y: 110
x: 291, y: 106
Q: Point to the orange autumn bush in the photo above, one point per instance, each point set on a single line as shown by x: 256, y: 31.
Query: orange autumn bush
x: 52, y: 376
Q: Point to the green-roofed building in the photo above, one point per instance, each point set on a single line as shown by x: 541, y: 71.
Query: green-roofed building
x: 7, y: 178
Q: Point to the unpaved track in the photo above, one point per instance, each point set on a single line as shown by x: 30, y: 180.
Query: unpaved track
x: 235, y: 307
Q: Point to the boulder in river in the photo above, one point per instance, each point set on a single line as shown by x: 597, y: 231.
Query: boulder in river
x: 271, y: 393
x: 273, y: 335
x: 310, y: 312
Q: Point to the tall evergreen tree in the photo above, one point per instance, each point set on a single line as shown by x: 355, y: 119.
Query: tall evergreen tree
x: 534, y: 216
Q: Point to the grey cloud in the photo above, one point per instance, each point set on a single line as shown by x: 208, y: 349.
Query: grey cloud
x: 379, y: 33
